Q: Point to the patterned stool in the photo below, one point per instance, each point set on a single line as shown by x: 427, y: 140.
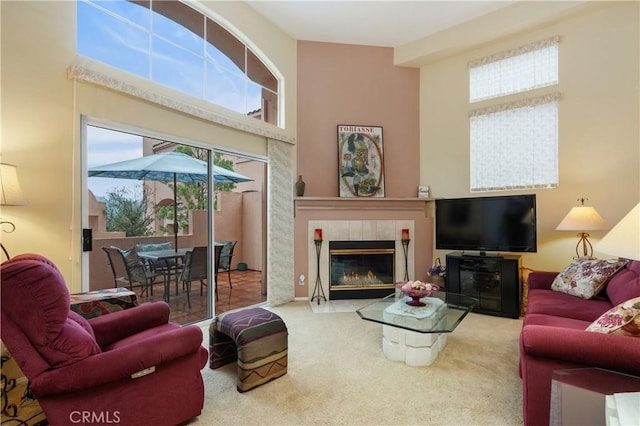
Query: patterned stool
x: 256, y: 338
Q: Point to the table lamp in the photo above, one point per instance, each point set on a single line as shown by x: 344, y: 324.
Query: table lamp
x: 582, y: 219
x: 624, y: 239
x: 10, y: 195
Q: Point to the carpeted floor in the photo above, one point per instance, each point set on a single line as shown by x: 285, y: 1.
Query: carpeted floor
x: 338, y: 375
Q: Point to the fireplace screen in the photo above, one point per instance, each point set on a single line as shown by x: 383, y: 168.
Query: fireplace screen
x: 361, y: 265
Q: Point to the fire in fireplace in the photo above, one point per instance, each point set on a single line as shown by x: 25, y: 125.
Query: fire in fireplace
x: 361, y: 269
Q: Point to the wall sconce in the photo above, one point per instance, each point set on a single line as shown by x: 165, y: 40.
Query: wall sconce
x: 624, y: 239
x: 582, y: 219
x: 10, y: 195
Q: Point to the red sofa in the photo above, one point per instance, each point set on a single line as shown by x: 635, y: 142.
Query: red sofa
x: 554, y: 337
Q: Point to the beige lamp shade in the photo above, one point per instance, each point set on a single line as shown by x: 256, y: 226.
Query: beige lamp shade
x: 10, y: 192
x: 624, y: 239
x: 582, y: 218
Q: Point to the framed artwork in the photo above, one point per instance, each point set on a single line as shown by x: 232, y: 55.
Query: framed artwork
x: 360, y: 161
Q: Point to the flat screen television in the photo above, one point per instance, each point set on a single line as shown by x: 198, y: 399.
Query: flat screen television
x: 496, y: 224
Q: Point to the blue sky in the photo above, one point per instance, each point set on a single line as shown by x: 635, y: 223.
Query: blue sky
x: 108, y: 146
x: 118, y: 35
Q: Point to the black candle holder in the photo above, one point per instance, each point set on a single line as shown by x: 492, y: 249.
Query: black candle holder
x: 318, y: 291
x: 405, y: 249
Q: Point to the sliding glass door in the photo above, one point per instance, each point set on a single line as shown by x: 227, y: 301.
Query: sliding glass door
x: 151, y: 198
x: 155, y: 197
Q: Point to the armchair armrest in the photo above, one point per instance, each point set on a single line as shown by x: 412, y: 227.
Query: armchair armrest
x: 541, y: 280
x: 118, y: 325
x: 612, y: 352
x: 121, y: 363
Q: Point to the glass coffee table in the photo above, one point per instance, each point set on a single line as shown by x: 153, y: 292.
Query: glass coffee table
x: 415, y: 335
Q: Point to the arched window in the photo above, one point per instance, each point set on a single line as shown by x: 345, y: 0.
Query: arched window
x: 175, y: 45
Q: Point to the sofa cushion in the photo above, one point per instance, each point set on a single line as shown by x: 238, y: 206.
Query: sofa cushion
x: 553, y: 321
x: 622, y: 319
x: 586, y: 276
x: 625, y: 284
x: 549, y: 302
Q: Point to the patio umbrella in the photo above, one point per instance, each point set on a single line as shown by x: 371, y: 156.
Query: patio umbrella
x: 167, y: 167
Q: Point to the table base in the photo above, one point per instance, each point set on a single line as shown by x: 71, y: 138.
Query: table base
x: 416, y: 335
x: 412, y: 348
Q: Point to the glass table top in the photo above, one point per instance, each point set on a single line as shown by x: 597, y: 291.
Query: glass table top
x: 442, y: 313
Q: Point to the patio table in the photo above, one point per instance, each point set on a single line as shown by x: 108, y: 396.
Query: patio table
x: 168, y: 254
x: 157, y: 256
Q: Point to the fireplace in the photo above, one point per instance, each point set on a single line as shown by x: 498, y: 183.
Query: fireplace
x: 361, y: 269
x: 360, y: 232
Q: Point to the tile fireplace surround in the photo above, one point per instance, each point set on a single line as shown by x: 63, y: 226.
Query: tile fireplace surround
x: 356, y: 230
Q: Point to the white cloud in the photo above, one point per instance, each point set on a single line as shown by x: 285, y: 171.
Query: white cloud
x: 106, y: 146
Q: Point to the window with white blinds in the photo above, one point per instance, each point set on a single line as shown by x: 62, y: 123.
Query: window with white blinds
x: 528, y: 67
x: 514, y: 145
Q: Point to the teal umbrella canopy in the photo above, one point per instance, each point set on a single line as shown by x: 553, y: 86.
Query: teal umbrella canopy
x: 167, y: 167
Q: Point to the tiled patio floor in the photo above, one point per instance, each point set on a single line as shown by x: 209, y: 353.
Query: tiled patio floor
x: 246, y: 291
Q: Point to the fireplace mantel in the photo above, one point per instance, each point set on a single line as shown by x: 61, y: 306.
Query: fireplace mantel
x: 363, y: 203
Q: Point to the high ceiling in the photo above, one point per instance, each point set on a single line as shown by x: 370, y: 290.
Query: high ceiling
x: 370, y: 23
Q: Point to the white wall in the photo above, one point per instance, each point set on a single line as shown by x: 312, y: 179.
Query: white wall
x: 599, y: 122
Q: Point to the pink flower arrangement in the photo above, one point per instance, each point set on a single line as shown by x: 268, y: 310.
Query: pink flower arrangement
x: 418, y: 288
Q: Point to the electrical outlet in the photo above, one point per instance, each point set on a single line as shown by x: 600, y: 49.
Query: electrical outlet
x: 301, y: 279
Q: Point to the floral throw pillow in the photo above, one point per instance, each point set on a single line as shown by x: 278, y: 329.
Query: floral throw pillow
x: 586, y: 276
x: 624, y: 319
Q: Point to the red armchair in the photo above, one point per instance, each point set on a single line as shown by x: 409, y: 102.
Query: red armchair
x: 127, y: 367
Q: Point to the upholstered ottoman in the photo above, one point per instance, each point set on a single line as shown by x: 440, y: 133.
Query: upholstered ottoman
x: 256, y: 338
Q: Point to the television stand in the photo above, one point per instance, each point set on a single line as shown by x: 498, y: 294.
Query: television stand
x: 479, y: 254
x: 493, y: 280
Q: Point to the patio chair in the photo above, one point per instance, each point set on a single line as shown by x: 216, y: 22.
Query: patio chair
x: 169, y: 267
x: 130, y: 270
x: 195, y: 267
x: 225, y: 258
